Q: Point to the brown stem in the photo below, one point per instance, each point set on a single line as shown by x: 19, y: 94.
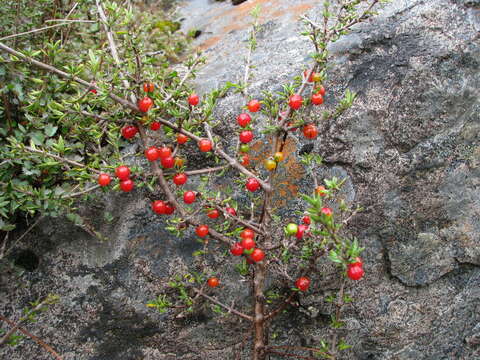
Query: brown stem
x: 206, y: 170
x: 259, y: 309
x: 61, y: 159
x: 226, y: 307
x: 34, y: 338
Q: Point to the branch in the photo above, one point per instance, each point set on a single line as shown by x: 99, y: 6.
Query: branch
x: 206, y: 170
x: 21, y: 237
x: 215, y: 301
x: 185, y: 77
x: 234, y: 163
x: 34, y: 338
x: 61, y: 159
x: 65, y: 22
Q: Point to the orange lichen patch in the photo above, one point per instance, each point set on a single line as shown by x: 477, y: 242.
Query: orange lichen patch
x: 233, y: 26
x: 238, y: 17
x: 294, y: 11
x: 289, y: 172
x: 210, y: 42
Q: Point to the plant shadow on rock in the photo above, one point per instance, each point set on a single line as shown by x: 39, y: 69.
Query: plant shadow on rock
x: 121, y: 333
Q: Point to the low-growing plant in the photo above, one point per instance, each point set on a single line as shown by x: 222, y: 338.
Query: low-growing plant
x: 120, y: 119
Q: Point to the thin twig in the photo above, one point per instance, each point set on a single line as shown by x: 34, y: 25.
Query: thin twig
x: 215, y: 301
x: 21, y: 237
x: 61, y: 159
x: 34, y: 31
x: 34, y: 338
x: 205, y: 171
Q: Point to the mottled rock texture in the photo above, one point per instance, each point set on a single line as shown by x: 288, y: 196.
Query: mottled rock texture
x: 409, y: 149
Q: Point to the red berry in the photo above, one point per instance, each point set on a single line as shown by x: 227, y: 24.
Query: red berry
x: 213, y: 214
x: 93, y: 91
x: 252, y: 184
x: 129, y: 131
x: 213, y: 282
x: 193, y: 99
x: 152, y: 153
x: 306, y: 220
x: 248, y: 243
x: 202, y: 230
x: 168, y: 162
x: 159, y: 207
x: 145, y: 104
x: 164, y: 152
x: 237, y: 249
x: 317, y: 99
x: 247, y: 233
x: 204, y: 145
x: 189, y: 197
x: 327, y: 211
x: 181, y: 138
x: 169, y: 209
x: 155, y: 126
x: 301, y: 231
x: 104, y: 179
x: 355, y: 272
x: 243, y: 119
x: 257, y: 255
x: 358, y: 261
x: 148, y: 87
x: 305, y: 73
x: 253, y: 105
x: 246, y: 136
x: 180, y: 179
x: 302, y: 283
x: 126, y: 185
x: 321, y: 191
x: 245, y: 160
x: 310, y: 131
x: 231, y: 211
x: 321, y: 90
x: 295, y: 101
x: 122, y: 172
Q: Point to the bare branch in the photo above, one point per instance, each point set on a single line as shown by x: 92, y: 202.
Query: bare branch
x: 215, y: 301
x: 34, y: 338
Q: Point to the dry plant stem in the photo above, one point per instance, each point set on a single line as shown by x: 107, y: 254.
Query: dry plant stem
x: 226, y: 307
x: 185, y: 77
x: 113, y: 47
x: 240, y: 220
x: 5, y: 338
x: 259, y: 320
x: 64, y: 22
x: 61, y: 159
x: 80, y: 193
x: 206, y: 170
x: 34, y: 338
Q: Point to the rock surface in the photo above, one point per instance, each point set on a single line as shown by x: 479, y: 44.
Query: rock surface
x: 409, y: 149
